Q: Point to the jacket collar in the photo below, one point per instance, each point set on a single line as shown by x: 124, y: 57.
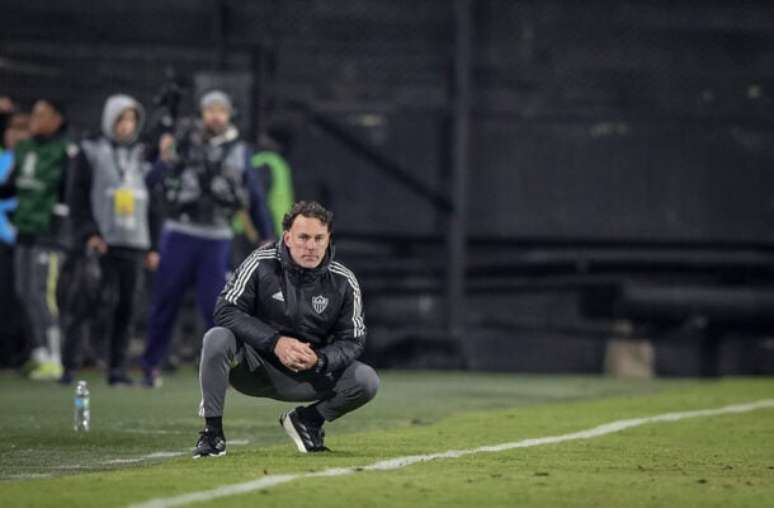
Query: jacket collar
x: 51, y: 137
x: 230, y: 134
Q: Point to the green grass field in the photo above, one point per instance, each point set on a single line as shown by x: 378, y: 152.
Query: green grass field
x: 138, y: 449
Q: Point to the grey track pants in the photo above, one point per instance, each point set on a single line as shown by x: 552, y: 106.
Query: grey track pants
x: 222, y: 363
x: 36, y: 270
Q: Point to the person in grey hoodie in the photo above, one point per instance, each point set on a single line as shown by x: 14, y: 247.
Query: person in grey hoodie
x: 111, y: 208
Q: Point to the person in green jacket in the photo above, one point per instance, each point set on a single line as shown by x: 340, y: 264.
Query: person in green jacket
x: 271, y: 161
x: 40, y: 178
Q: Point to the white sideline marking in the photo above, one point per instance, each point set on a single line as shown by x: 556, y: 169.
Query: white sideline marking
x: 150, y: 456
x: 28, y: 476
x: 142, y: 431
x: 165, y: 455
x: 400, y: 462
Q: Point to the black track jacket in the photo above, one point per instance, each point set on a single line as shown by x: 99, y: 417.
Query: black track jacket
x: 270, y: 295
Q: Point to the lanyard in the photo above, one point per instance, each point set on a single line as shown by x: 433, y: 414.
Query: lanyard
x: 121, y: 168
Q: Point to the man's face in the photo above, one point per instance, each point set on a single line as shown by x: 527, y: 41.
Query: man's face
x: 307, y: 241
x: 44, y: 120
x: 18, y: 130
x: 126, y: 125
x: 216, y: 118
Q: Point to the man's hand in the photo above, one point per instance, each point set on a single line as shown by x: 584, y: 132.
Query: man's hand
x: 294, y: 354
x: 6, y: 105
x: 152, y: 260
x: 97, y: 244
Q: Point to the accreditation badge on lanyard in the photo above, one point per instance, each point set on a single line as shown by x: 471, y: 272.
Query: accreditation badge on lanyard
x: 123, y: 199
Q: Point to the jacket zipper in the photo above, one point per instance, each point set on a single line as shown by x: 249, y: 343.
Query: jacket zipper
x: 297, y: 317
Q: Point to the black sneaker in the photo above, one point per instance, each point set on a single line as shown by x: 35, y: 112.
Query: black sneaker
x: 308, y: 437
x: 210, y: 444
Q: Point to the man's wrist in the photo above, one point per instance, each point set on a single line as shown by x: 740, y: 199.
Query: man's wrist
x: 273, y: 342
x: 322, y: 362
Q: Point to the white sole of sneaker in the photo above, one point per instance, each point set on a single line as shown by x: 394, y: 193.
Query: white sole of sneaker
x: 210, y: 455
x: 290, y: 430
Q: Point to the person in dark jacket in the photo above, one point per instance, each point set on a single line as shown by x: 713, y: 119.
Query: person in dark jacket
x: 111, y: 210
x: 40, y: 175
x: 290, y: 327
x: 206, y: 178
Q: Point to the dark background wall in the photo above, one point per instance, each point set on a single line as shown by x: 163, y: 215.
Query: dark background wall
x: 603, y: 119
x: 623, y: 125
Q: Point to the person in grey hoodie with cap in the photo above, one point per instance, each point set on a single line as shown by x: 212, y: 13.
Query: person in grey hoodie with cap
x: 111, y: 209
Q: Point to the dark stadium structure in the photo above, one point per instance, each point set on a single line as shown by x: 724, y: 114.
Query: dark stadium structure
x: 515, y: 182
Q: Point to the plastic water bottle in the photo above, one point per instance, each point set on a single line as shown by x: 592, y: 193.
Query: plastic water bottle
x: 82, y: 412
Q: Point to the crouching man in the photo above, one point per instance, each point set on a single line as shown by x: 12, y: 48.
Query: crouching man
x: 290, y: 327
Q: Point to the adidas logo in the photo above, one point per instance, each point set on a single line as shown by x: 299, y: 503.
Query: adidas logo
x: 278, y: 296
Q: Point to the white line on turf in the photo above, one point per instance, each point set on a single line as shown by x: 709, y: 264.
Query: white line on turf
x: 400, y: 462
x: 28, y: 476
x: 150, y: 456
x: 145, y: 432
x: 165, y: 455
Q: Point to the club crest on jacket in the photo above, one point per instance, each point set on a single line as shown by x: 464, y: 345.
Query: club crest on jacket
x: 319, y: 303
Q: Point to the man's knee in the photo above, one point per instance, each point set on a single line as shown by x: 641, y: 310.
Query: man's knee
x: 366, y: 381
x: 218, y: 341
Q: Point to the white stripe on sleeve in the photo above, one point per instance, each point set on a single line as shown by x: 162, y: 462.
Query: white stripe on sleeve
x: 358, y: 321
x: 246, y: 271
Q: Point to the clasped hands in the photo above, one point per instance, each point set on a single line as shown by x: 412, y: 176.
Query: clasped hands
x: 294, y: 354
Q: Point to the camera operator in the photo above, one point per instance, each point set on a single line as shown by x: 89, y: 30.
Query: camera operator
x: 205, y: 177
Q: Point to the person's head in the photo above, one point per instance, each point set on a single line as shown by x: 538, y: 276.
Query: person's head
x: 47, y: 118
x: 17, y: 129
x: 307, y: 230
x: 216, y: 111
x: 126, y: 126
x: 122, y: 118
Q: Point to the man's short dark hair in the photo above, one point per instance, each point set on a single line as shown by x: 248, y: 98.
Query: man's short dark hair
x: 310, y: 210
